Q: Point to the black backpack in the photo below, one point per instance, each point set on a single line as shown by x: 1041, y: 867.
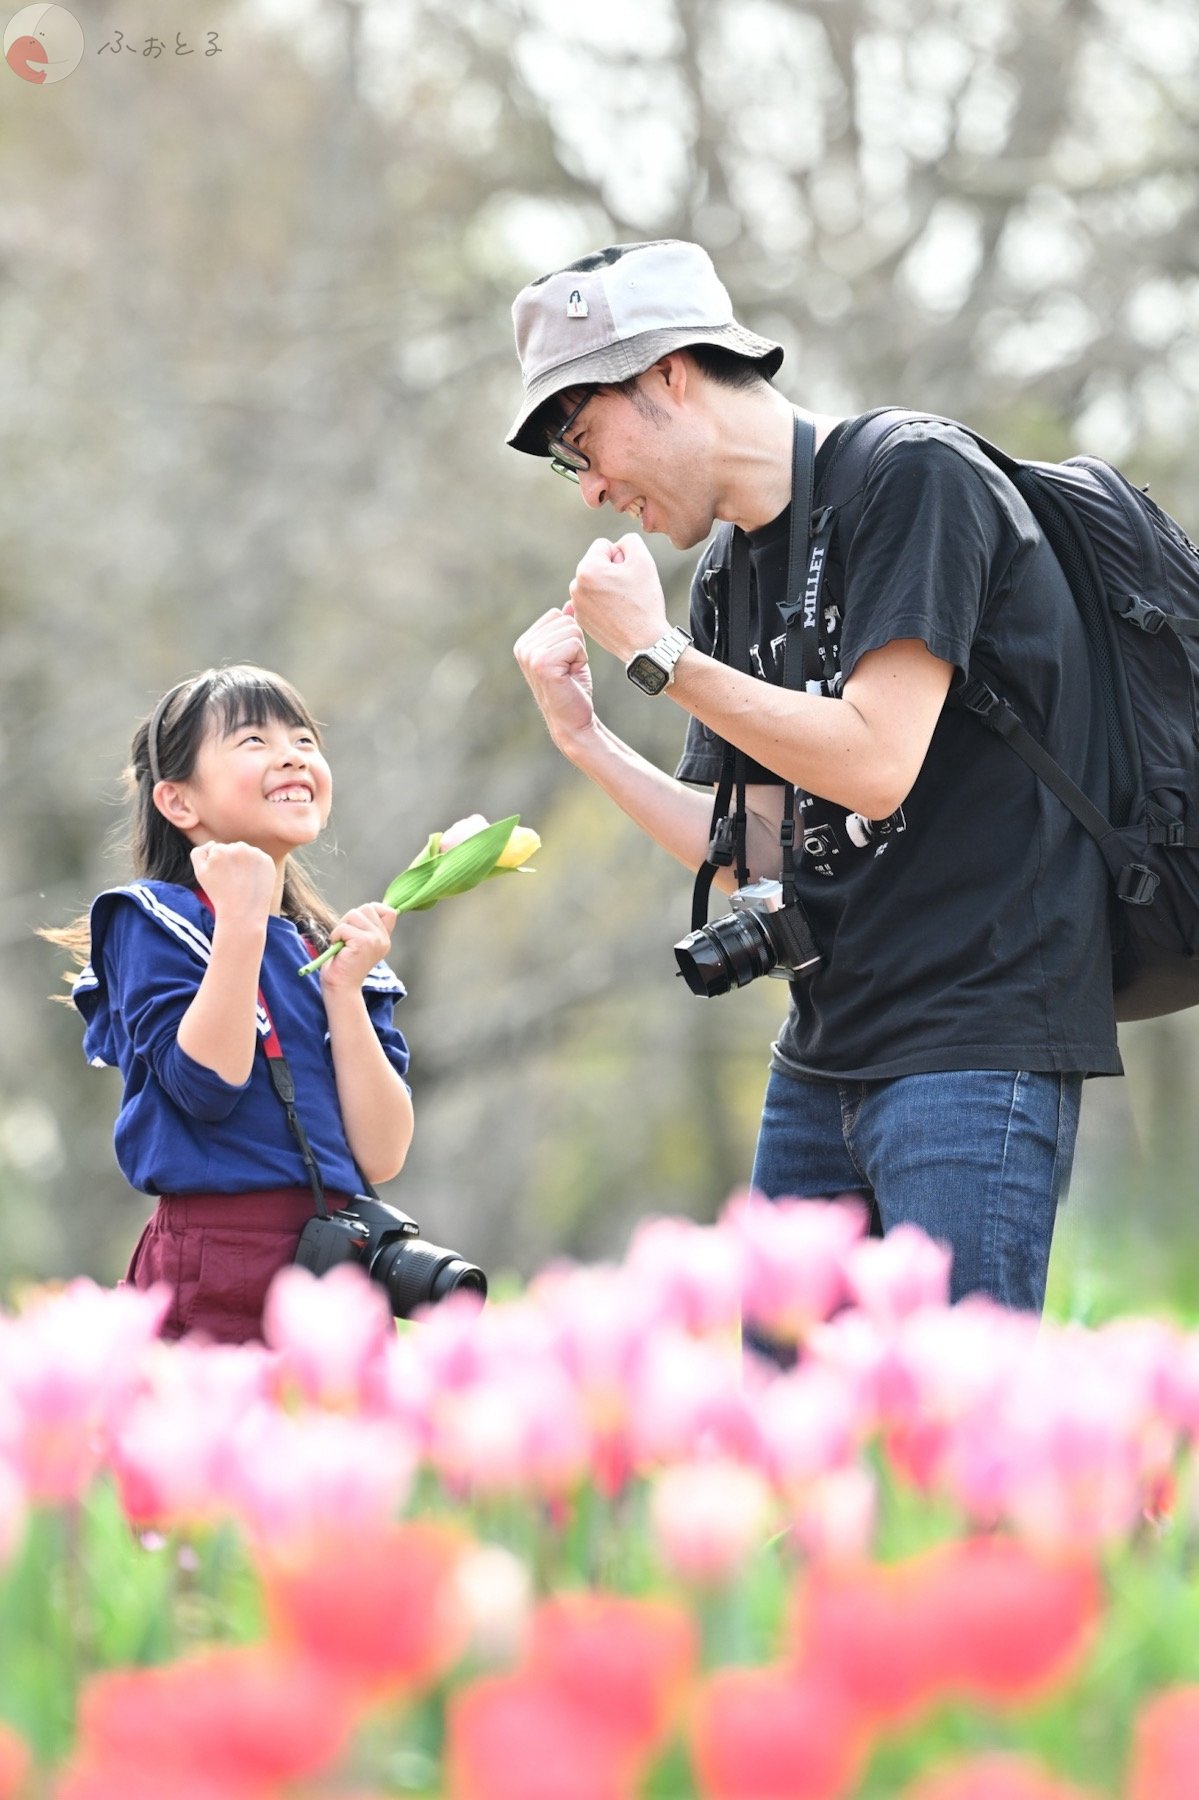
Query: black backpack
x: 1134, y: 575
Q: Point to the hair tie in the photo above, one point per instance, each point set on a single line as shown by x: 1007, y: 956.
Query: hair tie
x: 154, y: 727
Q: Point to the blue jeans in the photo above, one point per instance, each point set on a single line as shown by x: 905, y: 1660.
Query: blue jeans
x: 977, y: 1158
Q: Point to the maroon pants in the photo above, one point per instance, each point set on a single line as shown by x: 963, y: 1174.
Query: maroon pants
x: 218, y: 1253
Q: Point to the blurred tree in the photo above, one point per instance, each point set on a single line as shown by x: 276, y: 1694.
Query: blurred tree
x: 257, y: 371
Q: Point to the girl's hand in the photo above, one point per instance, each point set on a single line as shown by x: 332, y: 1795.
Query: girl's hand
x: 366, y: 933
x: 239, y: 879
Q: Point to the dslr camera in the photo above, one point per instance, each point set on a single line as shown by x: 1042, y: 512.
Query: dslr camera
x: 760, y: 936
x: 390, y: 1248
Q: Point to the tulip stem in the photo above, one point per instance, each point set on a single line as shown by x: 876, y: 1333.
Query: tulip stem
x: 318, y: 962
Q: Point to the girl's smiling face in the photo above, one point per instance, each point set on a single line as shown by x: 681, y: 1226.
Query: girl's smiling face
x: 262, y: 781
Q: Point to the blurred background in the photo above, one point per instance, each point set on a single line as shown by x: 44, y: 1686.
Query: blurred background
x: 256, y: 264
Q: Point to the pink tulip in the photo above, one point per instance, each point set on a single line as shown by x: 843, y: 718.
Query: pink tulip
x: 602, y: 1327
x: 461, y: 829
x: 810, y: 1423
x: 947, y: 1366
x: 1068, y: 1448
x: 504, y: 1435
x: 331, y: 1333
x: 793, y: 1259
x: 296, y: 1478
x: 70, y: 1366
x: 1180, y: 1384
x: 893, y: 1276
x: 688, y: 1399
x: 12, y: 1511
x: 692, y: 1271
x: 708, y: 1518
x: 601, y: 1323
x: 862, y: 1352
x: 175, y: 1451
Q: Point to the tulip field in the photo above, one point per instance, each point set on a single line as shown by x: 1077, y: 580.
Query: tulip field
x: 580, y: 1545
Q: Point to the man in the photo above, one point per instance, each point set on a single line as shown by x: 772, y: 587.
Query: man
x: 933, y: 1063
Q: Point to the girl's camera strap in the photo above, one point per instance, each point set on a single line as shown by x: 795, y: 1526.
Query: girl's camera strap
x: 283, y: 1082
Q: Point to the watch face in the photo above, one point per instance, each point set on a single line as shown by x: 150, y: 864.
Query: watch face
x: 647, y: 674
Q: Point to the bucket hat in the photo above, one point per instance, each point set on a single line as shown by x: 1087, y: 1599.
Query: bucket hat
x: 611, y: 315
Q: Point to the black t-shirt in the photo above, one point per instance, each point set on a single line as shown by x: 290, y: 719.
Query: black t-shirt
x: 971, y: 929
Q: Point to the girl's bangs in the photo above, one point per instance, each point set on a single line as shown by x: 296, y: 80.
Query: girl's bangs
x: 247, y: 696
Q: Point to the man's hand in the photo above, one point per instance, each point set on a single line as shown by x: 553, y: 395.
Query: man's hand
x: 552, y: 655
x: 618, y: 598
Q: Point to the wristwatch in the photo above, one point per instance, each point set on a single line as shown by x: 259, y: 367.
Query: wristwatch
x: 653, y: 669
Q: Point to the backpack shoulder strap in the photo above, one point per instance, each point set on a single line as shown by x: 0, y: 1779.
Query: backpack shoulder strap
x: 846, y: 474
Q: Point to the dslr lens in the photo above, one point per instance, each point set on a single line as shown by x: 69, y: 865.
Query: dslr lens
x: 416, y: 1273
x: 730, y: 953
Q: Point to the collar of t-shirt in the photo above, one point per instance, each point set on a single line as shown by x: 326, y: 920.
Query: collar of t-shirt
x: 767, y: 536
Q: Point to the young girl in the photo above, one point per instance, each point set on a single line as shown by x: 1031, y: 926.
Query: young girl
x: 229, y: 779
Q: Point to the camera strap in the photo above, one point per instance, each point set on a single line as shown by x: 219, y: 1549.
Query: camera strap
x: 283, y: 1083
x: 801, y: 666
x: 727, y: 841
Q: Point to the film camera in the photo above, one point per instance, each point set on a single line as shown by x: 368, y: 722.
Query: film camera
x: 388, y: 1244
x: 760, y: 936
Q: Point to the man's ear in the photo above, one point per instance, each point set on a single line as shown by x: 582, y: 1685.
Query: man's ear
x: 175, y: 804
x: 672, y: 374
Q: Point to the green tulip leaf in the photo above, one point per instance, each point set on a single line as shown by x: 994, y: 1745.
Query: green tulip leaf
x: 432, y: 875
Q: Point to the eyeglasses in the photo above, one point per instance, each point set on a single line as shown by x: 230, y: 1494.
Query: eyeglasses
x: 566, y: 459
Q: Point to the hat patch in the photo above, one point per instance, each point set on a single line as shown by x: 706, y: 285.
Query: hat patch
x: 576, y: 306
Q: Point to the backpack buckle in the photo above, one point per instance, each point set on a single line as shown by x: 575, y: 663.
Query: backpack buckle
x: 1140, y: 613
x: 1136, y: 885
x: 977, y: 697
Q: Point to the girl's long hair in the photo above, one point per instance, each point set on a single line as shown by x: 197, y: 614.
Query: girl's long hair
x: 165, y: 747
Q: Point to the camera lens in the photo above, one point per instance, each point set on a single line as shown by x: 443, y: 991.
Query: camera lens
x: 416, y: 1273
x: 730, y: 953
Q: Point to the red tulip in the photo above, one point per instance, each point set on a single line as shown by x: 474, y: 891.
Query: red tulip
x: 996, y: 1778
x: 775, y: 1734
x: 240, y: 1720
x: 522, y: 1737
x: 625, y: 1661
x: 1166, y: 1747
x: 988, y: 1618
x: 15, y: 1760
x: 1015, y: 1621
x: 868, y: 1628
x: 377, y: 1607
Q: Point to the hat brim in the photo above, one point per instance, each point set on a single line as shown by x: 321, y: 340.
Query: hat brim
x: 621, y: 362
